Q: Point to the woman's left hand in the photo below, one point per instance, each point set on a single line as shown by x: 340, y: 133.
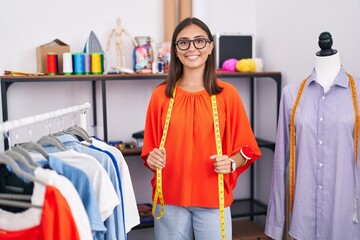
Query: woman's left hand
x: 222, y: 164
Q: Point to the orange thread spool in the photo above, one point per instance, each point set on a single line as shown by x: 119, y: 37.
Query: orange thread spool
x: 52, y: 63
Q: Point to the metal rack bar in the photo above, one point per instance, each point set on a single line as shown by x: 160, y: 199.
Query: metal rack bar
x: 10, y: 125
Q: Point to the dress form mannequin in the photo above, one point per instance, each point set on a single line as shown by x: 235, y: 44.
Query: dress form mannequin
x: 327, y: 61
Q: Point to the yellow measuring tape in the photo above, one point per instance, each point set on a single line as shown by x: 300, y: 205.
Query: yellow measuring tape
x: 158, y: 191
x: 292, y: 146
x: 292, y: 134
x: 357, y: 118
x: 220, y: 175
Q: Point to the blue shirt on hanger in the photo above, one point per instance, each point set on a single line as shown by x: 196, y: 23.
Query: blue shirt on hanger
x: 83, y: 186
x: 114, y: 223
x: 113, y: 159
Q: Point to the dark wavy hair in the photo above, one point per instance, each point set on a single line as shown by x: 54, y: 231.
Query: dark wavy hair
x: 176, y: 67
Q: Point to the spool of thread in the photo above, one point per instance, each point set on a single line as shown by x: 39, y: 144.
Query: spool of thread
x: 52, y: 63
x: 79, y: 67
x: 67, y: 63
x: 154, y: 67
x: 160, y: 67
x: 87, y: 63
x: 96, y: 63
x: 102, y: 63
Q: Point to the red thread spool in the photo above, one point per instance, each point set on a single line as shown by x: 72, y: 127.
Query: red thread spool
x: 52, y: 63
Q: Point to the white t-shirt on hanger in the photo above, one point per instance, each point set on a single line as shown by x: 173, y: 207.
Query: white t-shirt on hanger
x: 131, y: 212
x: 99, y: 178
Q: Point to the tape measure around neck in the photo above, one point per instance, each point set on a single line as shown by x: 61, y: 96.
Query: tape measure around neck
x: 220, y: 175
x: 293, y: 143
x: 158, y: 190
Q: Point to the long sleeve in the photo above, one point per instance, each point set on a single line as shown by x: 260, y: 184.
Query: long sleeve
x: 191, y: 142
x: 276, y: 207
x: 238, y: 131
x: 154, y: 123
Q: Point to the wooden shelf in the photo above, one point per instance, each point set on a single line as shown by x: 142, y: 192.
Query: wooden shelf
x: 7, y: 81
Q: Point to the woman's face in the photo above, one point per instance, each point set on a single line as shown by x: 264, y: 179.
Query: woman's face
x: 193, y: 47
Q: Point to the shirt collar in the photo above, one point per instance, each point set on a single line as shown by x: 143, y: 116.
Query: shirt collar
x: 67, y: 138
x: 341, y: 79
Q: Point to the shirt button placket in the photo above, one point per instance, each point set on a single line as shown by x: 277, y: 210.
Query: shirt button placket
x: 320, y: 157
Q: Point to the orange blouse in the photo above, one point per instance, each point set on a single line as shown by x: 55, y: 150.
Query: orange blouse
x: 189, y: 178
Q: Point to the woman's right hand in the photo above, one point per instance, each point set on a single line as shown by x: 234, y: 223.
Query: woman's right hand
x: 156, y: 158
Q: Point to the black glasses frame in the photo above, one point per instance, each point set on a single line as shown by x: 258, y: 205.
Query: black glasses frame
x: 193, y: 42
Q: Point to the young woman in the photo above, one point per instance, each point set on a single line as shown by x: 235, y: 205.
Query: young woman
x: 180, y: 144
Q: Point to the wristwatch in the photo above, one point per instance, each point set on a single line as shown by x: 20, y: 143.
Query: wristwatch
x: 233, y: 165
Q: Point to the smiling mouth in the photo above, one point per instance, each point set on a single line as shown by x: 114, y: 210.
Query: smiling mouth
x: 193, y: 57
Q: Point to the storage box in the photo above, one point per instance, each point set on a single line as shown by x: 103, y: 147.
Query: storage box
x: 247, y: 230
x: 57, y: 46
x: 233, y: 46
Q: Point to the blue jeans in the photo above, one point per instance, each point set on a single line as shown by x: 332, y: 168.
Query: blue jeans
x: 185, y: 223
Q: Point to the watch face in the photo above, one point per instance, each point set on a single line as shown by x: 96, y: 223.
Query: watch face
x: 233, y: 166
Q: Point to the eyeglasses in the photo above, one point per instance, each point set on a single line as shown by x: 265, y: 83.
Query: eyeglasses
x: 199, y: 43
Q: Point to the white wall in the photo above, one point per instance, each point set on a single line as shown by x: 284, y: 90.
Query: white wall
x: 286, y: 35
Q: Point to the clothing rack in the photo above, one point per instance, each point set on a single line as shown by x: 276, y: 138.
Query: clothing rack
x: 10, y: 125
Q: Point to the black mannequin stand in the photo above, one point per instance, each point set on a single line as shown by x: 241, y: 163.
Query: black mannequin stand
x: 327, y: 62
x: 325, y: 43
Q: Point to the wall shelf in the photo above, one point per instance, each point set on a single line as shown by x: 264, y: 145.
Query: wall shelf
x: 249, y: 207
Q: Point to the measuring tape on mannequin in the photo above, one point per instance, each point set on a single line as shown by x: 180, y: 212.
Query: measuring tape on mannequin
x: 158, y: 189
x: 292, y: 160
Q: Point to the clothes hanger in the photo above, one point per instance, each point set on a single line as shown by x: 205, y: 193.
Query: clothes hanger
x: 79, y: 131
x: 17, y: 200
x: 24, y: 148
x: 21, y: 155
x: 33, y: 146
x: 4, y: 159
x: 15, y: 196
x: 19, y: 204
x: 20, y: 159
x: 25, y: 153
x: 17, y: 156
x: 51, y: 140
